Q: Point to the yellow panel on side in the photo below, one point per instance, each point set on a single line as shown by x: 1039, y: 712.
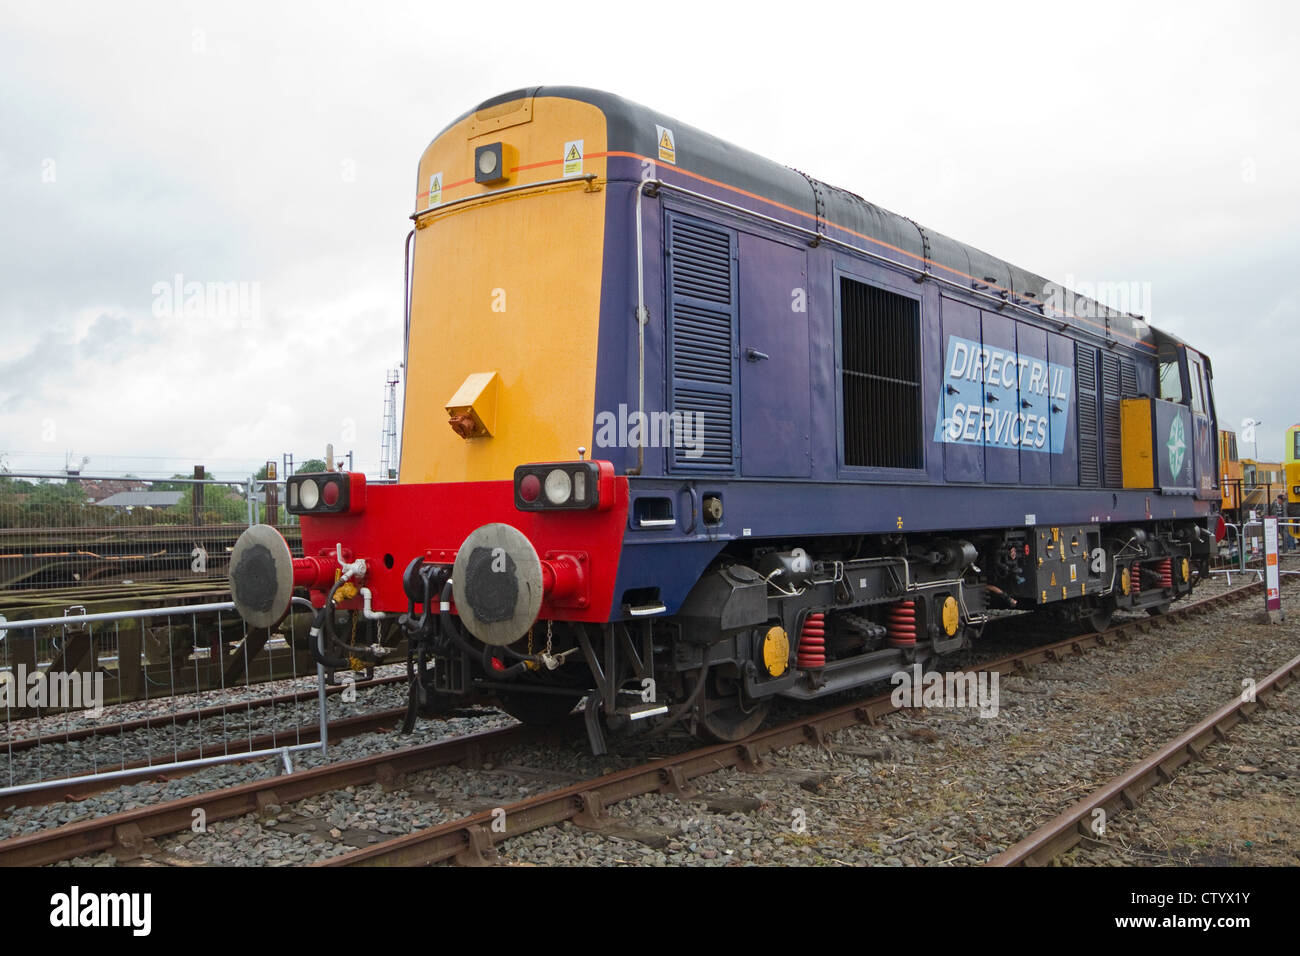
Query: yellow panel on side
x: 1135, y: 424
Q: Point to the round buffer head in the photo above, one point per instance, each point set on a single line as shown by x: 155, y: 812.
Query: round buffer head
x: 497, y: 583
x: 261, y: 576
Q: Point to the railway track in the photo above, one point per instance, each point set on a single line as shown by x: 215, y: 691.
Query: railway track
x: 1125, y: 791
x: 148, y: 768
x: 124, y: 833
x: 177, y: 718
x: 472, y: 838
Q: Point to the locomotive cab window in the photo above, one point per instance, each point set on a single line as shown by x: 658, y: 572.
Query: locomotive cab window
x: 1171, y: 376
x: 1197, y: 374
x: 880, y: 341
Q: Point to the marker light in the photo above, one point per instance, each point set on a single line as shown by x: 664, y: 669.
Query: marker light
x: 565, y: 486
x: 309, y: 494
x: 559, y: 486
x: 326, y: 493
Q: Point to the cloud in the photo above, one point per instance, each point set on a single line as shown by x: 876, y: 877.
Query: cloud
x: 276, y: 146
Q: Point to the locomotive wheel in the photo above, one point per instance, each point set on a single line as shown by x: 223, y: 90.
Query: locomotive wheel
x: 538, y: 710
x: 1097, y: 619
x: 723, y: 716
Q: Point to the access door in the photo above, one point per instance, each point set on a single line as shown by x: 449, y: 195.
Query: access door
x: 775, y: 390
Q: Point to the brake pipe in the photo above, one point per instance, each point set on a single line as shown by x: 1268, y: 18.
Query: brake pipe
x: 450, y: 628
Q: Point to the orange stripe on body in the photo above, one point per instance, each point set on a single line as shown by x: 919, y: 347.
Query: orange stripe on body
x: 866, y: 238
x: 809, y: 216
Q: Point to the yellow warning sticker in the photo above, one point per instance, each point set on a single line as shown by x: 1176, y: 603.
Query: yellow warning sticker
x: 573, y: 158
x: 435, y: 189
x: 667, y: 145
x: 1074, y: 573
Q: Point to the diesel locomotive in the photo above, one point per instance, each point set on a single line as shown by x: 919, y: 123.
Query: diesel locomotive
x: 686, y: 430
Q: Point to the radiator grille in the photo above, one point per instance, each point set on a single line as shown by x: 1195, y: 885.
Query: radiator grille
x: 880, y: 336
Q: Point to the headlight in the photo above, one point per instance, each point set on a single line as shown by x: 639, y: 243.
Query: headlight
x: 565, y: 486
x: 309, y: 494
x: 493, y: 162
x: 326, y: 493
x: 559, y: 486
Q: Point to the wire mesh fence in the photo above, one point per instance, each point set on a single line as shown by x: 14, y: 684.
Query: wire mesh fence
x: 59, y: 532
x: 108, y: 693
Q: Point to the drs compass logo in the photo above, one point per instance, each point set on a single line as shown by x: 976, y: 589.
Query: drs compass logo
x: 1177, y: 446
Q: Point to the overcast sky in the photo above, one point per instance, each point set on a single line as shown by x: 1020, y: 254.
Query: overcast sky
x: 275, y: 146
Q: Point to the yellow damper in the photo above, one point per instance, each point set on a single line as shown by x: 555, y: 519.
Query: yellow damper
x: 951, y: 615
x: 776, y: 650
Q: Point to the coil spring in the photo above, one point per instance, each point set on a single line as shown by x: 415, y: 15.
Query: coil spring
x: 812, y: 642
x: 1166, y: 569
x: 1135, y: 579
x: 900, y: 621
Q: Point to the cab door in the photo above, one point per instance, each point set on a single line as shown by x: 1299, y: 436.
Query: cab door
x: 1206, y: 469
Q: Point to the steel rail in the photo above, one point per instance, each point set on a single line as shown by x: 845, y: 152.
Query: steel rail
x: 471, y: 840
x: 78, y: 788
x: 124, y: 832
x: 242, y: 708
x: 1123, y: 792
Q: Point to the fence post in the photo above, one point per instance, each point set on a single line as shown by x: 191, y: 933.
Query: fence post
x: 196, y: 497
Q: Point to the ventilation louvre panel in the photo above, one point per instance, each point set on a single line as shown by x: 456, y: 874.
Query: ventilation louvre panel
x: 702, y: 319
x: 1110, y: 396
x: 701, y: 262
x: 714, y: 451
x: 1085, y: 363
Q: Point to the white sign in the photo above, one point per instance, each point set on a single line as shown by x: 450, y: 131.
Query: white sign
x: 573, y: 158
x: 1271, y: 583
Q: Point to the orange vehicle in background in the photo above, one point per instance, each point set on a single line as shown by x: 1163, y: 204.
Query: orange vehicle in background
x: 1231, y: 477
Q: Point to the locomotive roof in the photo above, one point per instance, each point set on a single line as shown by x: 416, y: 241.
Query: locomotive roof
x: 631, y: 128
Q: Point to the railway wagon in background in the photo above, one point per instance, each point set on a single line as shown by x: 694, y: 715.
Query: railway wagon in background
x: 1232, y: 481
x: 686, y: 430
x: 1291, y: 475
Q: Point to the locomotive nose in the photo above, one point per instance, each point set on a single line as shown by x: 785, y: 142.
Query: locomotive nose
x: 497, y: 583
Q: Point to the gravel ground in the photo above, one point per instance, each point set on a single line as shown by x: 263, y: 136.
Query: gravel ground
x: 946, y: 786
x: 159, y: 743
x: 1241, y: 807
x: 939, y: 786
